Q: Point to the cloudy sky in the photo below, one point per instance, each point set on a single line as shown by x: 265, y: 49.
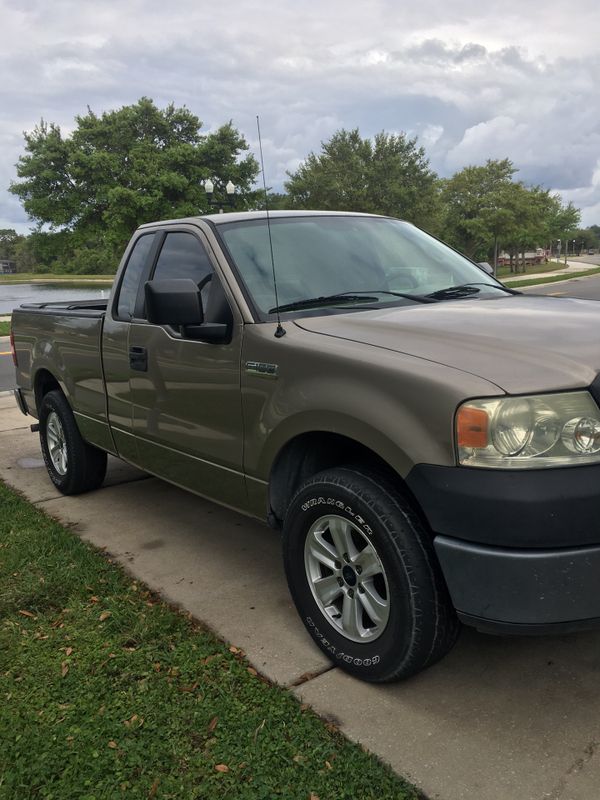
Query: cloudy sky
x: 472, y: 80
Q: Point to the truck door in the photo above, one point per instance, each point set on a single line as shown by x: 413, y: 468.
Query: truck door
x: 187, y: 410
x: 116, y: 359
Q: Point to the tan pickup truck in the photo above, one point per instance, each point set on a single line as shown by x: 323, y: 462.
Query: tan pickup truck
x: 427, y: 439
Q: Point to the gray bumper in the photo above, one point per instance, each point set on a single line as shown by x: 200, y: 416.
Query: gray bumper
x: 522, y: 591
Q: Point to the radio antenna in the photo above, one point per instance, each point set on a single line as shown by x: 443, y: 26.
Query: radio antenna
x: 280, y: 331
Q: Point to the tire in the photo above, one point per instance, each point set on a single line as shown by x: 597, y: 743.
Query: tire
x: 73, y: 465
x: 381, y: 610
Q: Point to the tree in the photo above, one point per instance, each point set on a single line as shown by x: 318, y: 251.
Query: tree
x: 9, y: 241
x: 123, y: 168
x: 558, y: 221
x: 387, y: 175
x: 588, y: 237
x: 479, y: 206
x: 485, y: 208
x: 25, y: 257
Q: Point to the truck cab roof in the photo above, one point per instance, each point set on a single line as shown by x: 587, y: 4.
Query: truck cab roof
x: 243, y: 216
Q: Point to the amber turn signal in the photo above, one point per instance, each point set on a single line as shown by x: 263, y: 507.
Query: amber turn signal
x: 472, y: 427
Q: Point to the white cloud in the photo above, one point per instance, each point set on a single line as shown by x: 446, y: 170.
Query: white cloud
x: 430, y: 135
x: 516, y: 80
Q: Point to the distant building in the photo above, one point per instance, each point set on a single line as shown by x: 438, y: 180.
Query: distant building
x: 7, y: 267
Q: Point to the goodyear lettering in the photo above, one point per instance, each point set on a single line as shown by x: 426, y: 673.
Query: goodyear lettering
x: 340, y: 655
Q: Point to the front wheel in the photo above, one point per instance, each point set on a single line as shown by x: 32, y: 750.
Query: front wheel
x: 364, y: 577
x: 74, y: 466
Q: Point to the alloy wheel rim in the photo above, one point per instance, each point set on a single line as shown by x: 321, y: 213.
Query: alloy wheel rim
x: 57, y: 443
x: 347, y: 578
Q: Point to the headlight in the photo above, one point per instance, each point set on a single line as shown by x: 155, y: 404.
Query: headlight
x: 553, y: 430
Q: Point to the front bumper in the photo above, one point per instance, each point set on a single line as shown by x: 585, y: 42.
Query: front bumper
x: 541, y: 508
x: 500, y: 590
x: 520, y: 550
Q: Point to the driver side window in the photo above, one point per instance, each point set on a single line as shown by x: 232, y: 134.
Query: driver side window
x: 183, y: 256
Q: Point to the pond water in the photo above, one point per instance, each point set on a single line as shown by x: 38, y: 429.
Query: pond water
x: 12, y: 295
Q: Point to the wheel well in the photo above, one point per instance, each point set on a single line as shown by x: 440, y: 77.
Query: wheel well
x: 44, y: 382
x: 309, y: 453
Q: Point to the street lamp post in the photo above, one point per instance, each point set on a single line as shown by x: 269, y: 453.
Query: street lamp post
x: 558, y: 248
x: 209, y: 188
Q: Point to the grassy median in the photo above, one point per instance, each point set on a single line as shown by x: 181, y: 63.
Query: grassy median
x: 107, y: 692
x: 4, y: 328
x: 504, y: 273
x: 47, y: 277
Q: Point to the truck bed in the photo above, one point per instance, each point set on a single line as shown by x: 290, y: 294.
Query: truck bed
x: 49, y: 342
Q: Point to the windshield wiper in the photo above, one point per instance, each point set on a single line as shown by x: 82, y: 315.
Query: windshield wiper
x: 342, y: 298
x: 466, y: 290
x: 324, y: 300
x: 420, y: 298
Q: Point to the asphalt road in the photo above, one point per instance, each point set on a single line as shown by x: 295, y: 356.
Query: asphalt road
x: 7, y: 370
x: 585, y: 288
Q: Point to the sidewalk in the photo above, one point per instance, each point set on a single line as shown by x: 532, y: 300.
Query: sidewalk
x: 498, y: 718
x: 574, y: 268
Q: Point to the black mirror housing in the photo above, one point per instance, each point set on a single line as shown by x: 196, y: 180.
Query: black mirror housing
x: 175, y: 301
x: 212, y: 332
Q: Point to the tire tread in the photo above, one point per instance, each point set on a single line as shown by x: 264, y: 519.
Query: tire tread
x: 436, y: 628
x: 86, y: 466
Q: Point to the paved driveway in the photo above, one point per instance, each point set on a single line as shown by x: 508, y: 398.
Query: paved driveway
x: 7, y: 369
x: 499, y: 719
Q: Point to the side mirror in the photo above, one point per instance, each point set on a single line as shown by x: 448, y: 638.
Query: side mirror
x: 176, y: 301
x: 486, y: 267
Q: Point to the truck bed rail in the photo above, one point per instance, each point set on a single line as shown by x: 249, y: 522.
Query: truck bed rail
x: 75, y: 308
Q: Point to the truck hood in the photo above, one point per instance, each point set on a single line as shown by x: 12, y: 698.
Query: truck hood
x: 522, y: 343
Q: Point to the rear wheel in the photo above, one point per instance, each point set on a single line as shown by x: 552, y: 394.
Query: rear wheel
x: 73, y: 465
x: 364, y: 577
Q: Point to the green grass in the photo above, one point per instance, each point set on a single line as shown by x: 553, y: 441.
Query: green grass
x: 41, y: 277
x: 549, y: 266
x: 4, y: 328
x: 552, y: 278
x: 107, y: 692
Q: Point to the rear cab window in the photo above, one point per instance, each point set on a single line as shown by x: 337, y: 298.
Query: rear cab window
x: 137, y: 263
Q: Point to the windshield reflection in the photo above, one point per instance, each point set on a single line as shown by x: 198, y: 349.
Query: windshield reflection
x: 318, y: 258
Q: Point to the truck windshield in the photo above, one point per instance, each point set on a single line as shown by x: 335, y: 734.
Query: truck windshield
x: 318, y: 258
